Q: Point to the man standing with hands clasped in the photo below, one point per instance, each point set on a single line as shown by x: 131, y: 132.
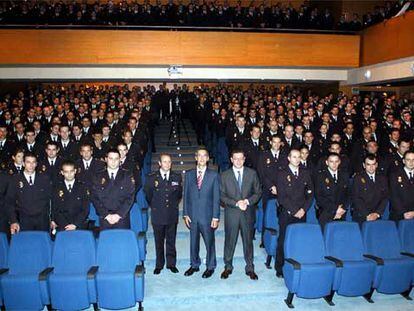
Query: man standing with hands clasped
x: 240, y: 191
x: 202, y: 211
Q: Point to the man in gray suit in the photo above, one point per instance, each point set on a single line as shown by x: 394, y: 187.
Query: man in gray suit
x: 240, y: 190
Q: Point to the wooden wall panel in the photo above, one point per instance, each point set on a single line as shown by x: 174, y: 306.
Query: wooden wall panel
x: 390, y: 40
x: 174, y: 47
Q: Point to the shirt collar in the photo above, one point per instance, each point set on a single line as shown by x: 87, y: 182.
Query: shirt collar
x: 294, y: 169
x: 235, y: 170
x: 110, y: 171
x: 162, y: 173
x: 333, y: 172
x: 202, y: 170
x: 71, y: 183
x: 407, y: 171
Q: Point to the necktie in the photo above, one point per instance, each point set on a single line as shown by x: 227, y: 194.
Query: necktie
x: 52, y: 163
x: 30, y: 180
x: 18, y: 169
x: 199, y: 179
x: 411, y: 176
x: 30, y: 148
x: 239, y: 180
x: 165, y: 177
x: 64, y: 146
x: 372, y: 178
x: 87, y: 166
x: 334, y: 177
x: 1, y: 145
x: 255, y: 144
x: 112, y: 177
x: 70, y: 188
x: 296, y: 174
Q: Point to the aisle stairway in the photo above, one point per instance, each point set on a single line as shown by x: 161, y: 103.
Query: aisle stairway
x: 169, y: 291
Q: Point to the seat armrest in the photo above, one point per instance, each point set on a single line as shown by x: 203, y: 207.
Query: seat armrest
x: 407, y: 254
x: 139, y: 271
x: 92, y: 272
x: 45, y: 273
x: 338, y: 263
x: 271, y: 230
x: 3, y: 271
x: 294, y: 263
x: 378, y: 260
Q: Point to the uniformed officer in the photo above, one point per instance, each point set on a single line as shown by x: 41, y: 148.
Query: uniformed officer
x: 331, y: 191
x: 28, y: 198
x: 402, y: 190
x: 295, y: 194
x: 113, y: 193
x: 163, y: 190
x: 4, y: 222
x: 253, y: 146
x: 369, y: 192
x: 129, y: 165
x: 70, y: 200
x: 87, y: 167
x: 52, y: 163
x: 16, y: 165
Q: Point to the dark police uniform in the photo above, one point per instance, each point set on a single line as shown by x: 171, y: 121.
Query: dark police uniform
x: 4, y: 222
x: 331, y: 194
x: 113, y: 197
x: 87, y: 174
x: 29, y: 205
x: 70, y: 207
x: 402, y: 194
x: 368, y: 196
x: 163, y: 197
x: 294, y: 193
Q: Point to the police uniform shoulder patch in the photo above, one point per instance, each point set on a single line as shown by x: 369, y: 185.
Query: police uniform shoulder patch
x: 327, y: 181
x: 363, y: 180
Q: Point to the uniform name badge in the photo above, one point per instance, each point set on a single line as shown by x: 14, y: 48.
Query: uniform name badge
x: 174, y: 183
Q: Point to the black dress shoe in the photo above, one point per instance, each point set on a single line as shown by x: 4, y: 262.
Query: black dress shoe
x: 173, y: 269
x: 279, y: 275
x: 225, y: 274
x: 191, y: 271
x: 207, y: 274
x: 157, y: 270
x: 252, y: 275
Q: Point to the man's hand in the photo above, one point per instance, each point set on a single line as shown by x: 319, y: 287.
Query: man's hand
x: 339, y: 212
x: 14, y: 228
x: 373, y: 216
x: 273, y: 190
x: 214, y: 223
x: 53, y: 225
x: 300, y: 213
x: 242, y: 205
x: 70, y: 227
x: 409, y: 215
x: 187, y: 221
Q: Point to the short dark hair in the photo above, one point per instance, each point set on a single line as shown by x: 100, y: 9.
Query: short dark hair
x: 112, y: 150
x: 67, y: 163
x: 370, y: 157
x: 234, y: 151
x: 29, y: 155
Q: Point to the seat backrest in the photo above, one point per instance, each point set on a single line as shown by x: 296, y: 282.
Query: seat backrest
x: 406, y: 231
x: 343, y: 240
x: 304, y: 243
x: 30, y: 252
x: 4, y: 250
x: 381, y: 239
x: 270, y: 219
x: 74, y: 252
x: 117, y: 250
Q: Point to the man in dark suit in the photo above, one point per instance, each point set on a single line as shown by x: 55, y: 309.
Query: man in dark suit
x: 253, y: 146
x: 70, y: 200
x: 202, y: 211
x: 331, y: 191
x: 402, y: 190
x: 51, y: 164
x: 163, y: 190
x: 113, y: 193
x: 369, y: 192
x: 240, y: 191
x: 294, y: 195
x: 6, y: 145
x: 28, y: 198
x: 4, y: 221
x: 87, y: 167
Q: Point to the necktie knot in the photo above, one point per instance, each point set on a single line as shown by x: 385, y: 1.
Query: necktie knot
x: 165, y: 177
x: 70, y: 188
x: 30, y: 180
x: 335, y: 179
x: 112, y: 176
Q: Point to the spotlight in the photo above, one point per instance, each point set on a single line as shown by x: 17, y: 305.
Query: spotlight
x: 367, y: 74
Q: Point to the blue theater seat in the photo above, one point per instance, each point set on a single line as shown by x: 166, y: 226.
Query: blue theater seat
x: 307, y: 273
x: 271, y: 231
x: 93, y: 216
x: 4, y: 253
x: 25, y: 284
x: 120, y: 278
x: 72, y: 283
x: 406, y: 231
x: 354, y: 273
x: 311, y: 214
x: 393, y: 272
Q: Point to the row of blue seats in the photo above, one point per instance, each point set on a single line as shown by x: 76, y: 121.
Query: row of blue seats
x: 349, y: 261
x: 73, y: 272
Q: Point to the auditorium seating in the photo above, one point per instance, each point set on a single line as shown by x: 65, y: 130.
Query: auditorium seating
x: 311, y: 214
x: 354, y: 273
x: 120, y: 279
x: 393, y: 272
x: 259, y: 217
x: 78, y: 274
x: 72, y: 283
x: 4, y: 252
x: 24, y: 286
x: 271, y: 230
x: 306, y: 272
x: 406, y: 231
